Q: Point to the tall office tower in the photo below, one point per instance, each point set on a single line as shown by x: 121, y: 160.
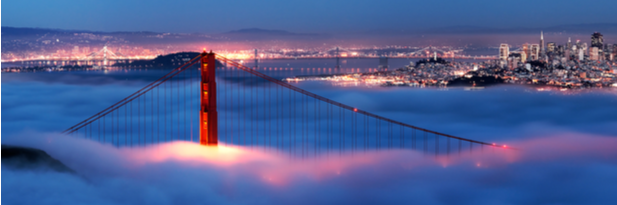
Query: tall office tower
x: 566, y: 54
x: 504, y: 51
x: 523, y: 57
x: 581, y: 55
x: 610, y: 52
x: 514, y: 59
x: 561, y: 50
x: 542, y: 43
x: 525, y: 49
x: 593, y: 53
x: 597, y: 40
x: 569, y: 44
x: 535, y: 51
x: 614, y: 51
x: 550, y: 47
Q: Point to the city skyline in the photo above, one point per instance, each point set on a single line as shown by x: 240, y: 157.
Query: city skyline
x: 84, y: 45
x: 309, y: 102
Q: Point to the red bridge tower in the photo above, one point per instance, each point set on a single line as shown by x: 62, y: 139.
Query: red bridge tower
x: 208, y: 126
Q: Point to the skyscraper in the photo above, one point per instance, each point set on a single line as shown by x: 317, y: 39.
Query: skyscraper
x: 597, y: 40
x: 504, y: 51
x: 581, y: 55
x: 593, y: 53
x: 525, y: 49
x: 607, y: 51
x: 535, y: 50
x: 550, y: 47
x: 542, y: 43
x: 610, y: 53
x: 567, y: 53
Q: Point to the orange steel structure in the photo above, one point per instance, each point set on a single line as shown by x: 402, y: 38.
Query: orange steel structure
x: 208, y: 132
x: 208, y: 116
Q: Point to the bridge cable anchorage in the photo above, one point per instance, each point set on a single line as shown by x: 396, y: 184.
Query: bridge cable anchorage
x: 331, y: 102
x: 131, y: 97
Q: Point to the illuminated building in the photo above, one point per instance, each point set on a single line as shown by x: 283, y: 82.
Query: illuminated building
x: 513, y: 60
x: 597, y: 40
x: 614, y: 51
x: 542, y: 51
x: 568, y: 49
x: 607, y: 52
x: 584, y: 46
x: 550, y: 47
x: 593, y: 53
x: 525, y: 49
x: 581, y: 55
x: 504, y: 51
x: 535, y: 50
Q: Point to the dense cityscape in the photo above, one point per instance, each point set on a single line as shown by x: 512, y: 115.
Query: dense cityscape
x: 573, y: 65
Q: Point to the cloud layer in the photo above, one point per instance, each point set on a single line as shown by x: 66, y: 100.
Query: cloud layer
x: 566, y: 154
x: 573, y: 169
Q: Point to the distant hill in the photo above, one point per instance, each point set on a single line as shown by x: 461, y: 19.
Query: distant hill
x: 265, y: 34
x: 170, y: 60
x: 609, y: 28
x: 23, y: 40
x: 263, y: 31
x: 12, y: 31
x: 15, y: 157
x: 258, y: 31
x: 21, y: 31
x: 571, y: 28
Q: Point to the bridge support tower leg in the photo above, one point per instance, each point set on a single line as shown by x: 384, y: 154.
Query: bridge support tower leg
x: 208, y: 126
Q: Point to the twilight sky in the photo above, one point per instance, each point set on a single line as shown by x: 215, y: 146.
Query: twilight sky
x: 300, y: 16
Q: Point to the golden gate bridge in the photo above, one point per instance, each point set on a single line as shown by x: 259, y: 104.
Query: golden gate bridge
x: 239, y: 105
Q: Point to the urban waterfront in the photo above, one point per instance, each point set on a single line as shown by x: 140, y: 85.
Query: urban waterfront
x: 309, y: 102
